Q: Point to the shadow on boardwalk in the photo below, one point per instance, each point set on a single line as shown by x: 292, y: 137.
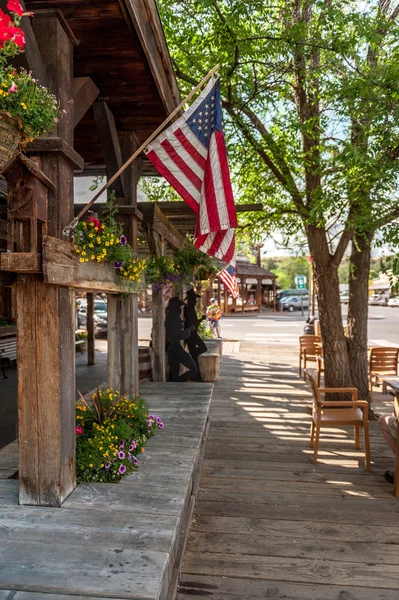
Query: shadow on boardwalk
x: 269, y: 524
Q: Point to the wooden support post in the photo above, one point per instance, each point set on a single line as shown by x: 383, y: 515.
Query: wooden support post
x: 259, y: 293
x: 274, y: 296
x: 158, y: 335
x: 123, y: 346
x: 243, y: 286
x: 46, y: 317
x: 91, y: 342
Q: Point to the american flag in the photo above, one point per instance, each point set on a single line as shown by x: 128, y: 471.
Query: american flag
x: 191, y: 155
x: 229, y: 279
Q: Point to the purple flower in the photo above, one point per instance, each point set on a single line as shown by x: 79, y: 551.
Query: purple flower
x: 121, y: 455
x: 122, y: 469
x: 151, y: 417
x: 135, y: 460
x: 123, y: 240
x: 118, y: 264
x: 132, y: 446
x: 107, y: 465
x: 129, y: 456
x: 149, y: 422
x: 121, y: 445
x: 157, y: 420
x: 161, y: 425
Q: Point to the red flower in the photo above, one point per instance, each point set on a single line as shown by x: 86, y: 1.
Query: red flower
x: 5, y: 20
x: 96, y: 223
x: 15, y: 7
x: 18, y: 37
x: 6, y: 33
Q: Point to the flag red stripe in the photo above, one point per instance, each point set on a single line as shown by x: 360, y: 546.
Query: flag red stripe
x: 210, y: 199
x: 187, y: 145
x: 180, y: 189
x: 230, y: 252
x: 228, y: 192
x: 181, y: 163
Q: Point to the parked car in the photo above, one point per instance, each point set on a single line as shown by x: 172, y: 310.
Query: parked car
x: 379, y: 299
x: 394, y: 301
x: 292, y: 303
x: 100, y: 323
x: 344, y: 297
x: 100, y: 310
x: 287, y: 293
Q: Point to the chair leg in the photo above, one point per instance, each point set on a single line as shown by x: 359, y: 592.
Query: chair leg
x: 371, y: 387
x: 366, y: 445
x: 357, y: 437
x: 300, y: 364
x: 312, y: 433
x: 304, y: 368
x: 316, y: 443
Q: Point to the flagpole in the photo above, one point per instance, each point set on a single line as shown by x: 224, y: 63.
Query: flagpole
x: 75, y: 221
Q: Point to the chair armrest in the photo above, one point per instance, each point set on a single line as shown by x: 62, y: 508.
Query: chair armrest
x: 348, y: 390
x: 343, y: 404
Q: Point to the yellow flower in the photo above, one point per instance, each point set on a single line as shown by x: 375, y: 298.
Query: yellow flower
x: 84, y: 224
x: 83, y: 253
x: 81, y: 259
x: 77, y: 250
x: 96, y: 229
x: 91, y: 466
x: 24, y: 105
x: 91, y: 235
x: 91, y: 224
x: 93, y: 256
x: 107, y: 243
x: 98, y: 240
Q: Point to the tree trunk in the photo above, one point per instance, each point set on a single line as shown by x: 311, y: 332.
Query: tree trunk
x: 358, y: 314
x: 335, y: 350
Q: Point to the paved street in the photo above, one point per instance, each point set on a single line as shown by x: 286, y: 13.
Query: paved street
x: 285, y: 328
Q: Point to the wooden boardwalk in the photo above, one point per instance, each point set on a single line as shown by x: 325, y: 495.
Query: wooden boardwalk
x: 268, y: 524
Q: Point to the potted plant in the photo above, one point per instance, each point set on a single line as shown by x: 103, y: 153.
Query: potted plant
x: 111, y: 431
x: 102, y: 240
x: 194, y: 265
x: 81, y: 341
x: 27, y: 109
x: 161, y: 272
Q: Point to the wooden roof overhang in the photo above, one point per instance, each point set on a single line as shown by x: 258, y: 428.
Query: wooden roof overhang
x: 120, y: 45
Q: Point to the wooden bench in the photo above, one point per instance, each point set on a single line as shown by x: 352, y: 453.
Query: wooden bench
x: 8, y: 352
x: 251, y: 307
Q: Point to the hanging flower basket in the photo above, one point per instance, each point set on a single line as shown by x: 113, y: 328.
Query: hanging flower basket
x: 11, y: 136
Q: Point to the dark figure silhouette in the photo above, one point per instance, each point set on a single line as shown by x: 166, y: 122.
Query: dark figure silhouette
x: 195, y: 344
x: 175, y: 333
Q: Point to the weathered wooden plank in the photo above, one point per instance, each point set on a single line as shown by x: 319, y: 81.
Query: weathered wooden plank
x: 266, y: 545
x: 295, y: 570
x: 62, y: 267
x: 21, y: 262
x: 110, y: 144
x: 299, y: 530
x: 198, y: 587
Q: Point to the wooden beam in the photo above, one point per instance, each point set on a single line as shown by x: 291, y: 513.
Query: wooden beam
x: 57, y: 145
x: 61, y: 267
x: 85, y: 93
x: 155, y: 219
x: 145, y: 18
x: 110, y: 144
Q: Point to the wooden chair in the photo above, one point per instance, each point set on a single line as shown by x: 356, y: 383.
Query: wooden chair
x: 338, y: 413
x: 309, y: 349
x: 383, y: 361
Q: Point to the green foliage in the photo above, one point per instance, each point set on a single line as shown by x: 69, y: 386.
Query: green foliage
x: 311, y: 99
x: 288, y: 268
x: 158, y: 190
x: 194, y: 265
x: 205, y: 330
x: 6, y: 322
x: 160, y: 271
x: 80, y: 335
x: 33, y: 105
x: 111, y: 430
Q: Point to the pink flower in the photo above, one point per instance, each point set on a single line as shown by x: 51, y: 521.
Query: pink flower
x: 79, y: 430
x: 15, y: 7
x: 13, y: 88
x: 55, y: 120
x: 64, y: 111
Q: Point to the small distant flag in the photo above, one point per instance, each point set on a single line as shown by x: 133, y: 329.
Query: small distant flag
x: 229, y: 279
x: 191, y: 155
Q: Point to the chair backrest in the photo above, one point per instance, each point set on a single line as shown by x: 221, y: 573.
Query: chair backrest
x: 313, y: 387
x: 311, y: 343
x: 384, y: 360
